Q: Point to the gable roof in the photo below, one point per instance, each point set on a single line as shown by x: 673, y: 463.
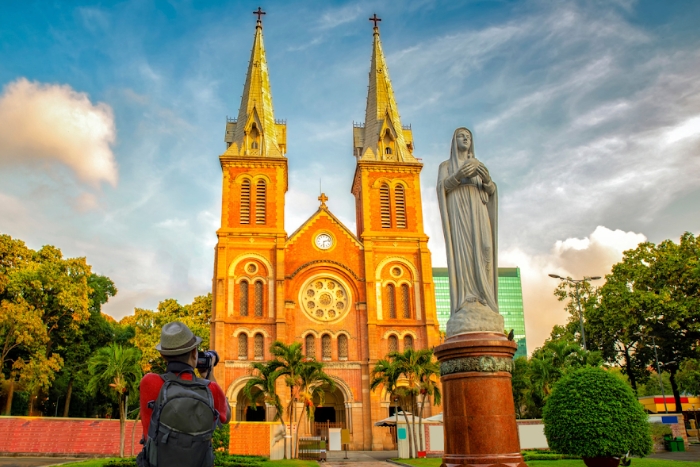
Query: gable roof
x: 323, y: 211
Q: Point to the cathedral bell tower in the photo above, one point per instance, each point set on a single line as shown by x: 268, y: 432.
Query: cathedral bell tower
x: 248, y: 288
x: 386, y: 186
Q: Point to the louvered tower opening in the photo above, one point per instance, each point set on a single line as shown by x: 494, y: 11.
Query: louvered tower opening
x: 245, y: 201
x: 385, y: 205
x: 400, y: 202
x: 260, y: 198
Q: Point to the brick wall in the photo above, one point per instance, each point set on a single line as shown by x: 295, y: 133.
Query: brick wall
x: 250, y: 438
x: 65, y: 436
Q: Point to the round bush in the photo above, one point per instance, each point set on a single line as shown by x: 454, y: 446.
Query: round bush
x: 592, y: 413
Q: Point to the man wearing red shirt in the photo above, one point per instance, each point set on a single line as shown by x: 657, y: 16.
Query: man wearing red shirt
x: 178, y: 346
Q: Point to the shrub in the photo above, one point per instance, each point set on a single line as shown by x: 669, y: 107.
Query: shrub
x: 220, y: 439
x: 658, y: 430
x: 126, y: 462
x: 592, y: 413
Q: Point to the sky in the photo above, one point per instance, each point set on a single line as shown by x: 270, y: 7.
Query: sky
x: 112, y: 118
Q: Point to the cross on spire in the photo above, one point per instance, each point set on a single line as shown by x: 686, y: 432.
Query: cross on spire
x: 323, y: 198
x: 259, y: 13
x: 376, y: 19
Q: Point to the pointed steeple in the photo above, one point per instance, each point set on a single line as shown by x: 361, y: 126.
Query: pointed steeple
x: 255, y: 132
x: 383, y: 138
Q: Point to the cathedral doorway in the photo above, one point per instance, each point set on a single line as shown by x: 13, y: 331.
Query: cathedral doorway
x: 331, y: 414
x: 246, y: 413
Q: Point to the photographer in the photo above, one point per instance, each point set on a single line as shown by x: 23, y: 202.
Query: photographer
x: 179, y: 411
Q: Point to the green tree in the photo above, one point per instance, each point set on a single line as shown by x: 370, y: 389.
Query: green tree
x: 147, y: 325
x: 520, y: 383
x: 116, y: 370
x: 689, y: 376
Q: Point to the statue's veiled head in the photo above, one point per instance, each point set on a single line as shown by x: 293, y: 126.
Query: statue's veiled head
x: 462, y: 147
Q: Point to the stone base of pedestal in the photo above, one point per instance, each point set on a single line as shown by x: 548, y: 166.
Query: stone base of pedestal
x: 478, y: 410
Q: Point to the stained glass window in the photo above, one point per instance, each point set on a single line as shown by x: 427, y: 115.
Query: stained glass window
x: 244, y: 298
x: 405, y: 301
x: 342, y: 347
x: 391, y: 300
x: 310, y: 346
x: 326, y: 346
x: 393, y: 343
x: 258, y: 298
x: 243, y: 346
x: 259, y: 345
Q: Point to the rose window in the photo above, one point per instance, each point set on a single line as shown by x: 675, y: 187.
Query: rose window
x: 325, y: 299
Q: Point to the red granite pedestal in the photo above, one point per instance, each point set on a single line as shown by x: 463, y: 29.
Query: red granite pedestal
x: 478, y: 410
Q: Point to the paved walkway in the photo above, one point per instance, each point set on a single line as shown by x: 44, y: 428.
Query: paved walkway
x: 692, y: 453
x: 34, y: 461
x: 337, y: 458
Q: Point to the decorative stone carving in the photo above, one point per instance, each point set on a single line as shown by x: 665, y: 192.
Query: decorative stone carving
x: 486, y: 363
x: 468, y: 203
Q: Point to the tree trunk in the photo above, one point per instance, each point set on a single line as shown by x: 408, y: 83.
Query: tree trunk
x: 413, y: 425
x: 630, y: 371
x: 420, y: 424
x: 122, y: 425
x: 133, y: 432
x: 410, y: 439
x: 69, y: 393
x: 296, y: 448
x: 10, y: 393
x: 676, y: 392
x: 284, y: 428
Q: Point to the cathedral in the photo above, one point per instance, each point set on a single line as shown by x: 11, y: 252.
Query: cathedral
x: 348, y: 297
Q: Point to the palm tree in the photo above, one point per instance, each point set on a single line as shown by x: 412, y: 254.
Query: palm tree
x: 428, y: 375
x: 415, y: 366
x: 313, y: 383
x: 386, y: 374
x: 118, y: 368
x: 290, y: 359
x: 265, y: 381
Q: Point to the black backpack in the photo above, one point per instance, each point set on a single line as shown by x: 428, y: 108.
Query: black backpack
x: 183, y: 421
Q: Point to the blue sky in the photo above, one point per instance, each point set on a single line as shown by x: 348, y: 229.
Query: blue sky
x: 112, y: 119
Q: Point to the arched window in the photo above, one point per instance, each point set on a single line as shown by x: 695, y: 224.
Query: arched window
x: 254, y: 145
x: 260, y: 194
x: 326, y: 346
x: 259, y: 346
x: 393, y: 343
x: 400, y: 204
x: 387, y: 150
x: 243, y: 297
x: 385, y: 205
x: 310, y: 346
x: 243, y: 346
x: 258, y: 298
x: 254, y: 136
x: 245, y: 201
x: 408, y: 342
x: 342, y: 347
x: 405, y: 301
x: 391, y: 300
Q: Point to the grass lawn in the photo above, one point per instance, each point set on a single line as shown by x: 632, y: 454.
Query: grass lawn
x: 435, y: 462
x: 280, y: 463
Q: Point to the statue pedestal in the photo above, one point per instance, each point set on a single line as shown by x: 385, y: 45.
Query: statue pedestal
x: 478, y: 410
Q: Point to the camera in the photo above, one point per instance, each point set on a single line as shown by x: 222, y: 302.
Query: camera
x: 207, y: 359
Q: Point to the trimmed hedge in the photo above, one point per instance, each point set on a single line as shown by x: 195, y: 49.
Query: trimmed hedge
x: 592, y: 413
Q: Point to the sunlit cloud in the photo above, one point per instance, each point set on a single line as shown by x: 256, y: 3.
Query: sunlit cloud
x: 50, y: 123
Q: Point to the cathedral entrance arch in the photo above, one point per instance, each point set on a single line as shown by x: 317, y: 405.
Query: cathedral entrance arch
x: 241, y: 406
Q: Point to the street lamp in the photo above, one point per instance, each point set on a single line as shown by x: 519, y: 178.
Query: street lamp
x: 577, y: 282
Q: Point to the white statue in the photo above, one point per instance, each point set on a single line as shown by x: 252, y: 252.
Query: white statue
x: 469, y: 209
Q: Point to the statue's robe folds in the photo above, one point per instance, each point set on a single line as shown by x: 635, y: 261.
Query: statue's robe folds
x: 469, y: 212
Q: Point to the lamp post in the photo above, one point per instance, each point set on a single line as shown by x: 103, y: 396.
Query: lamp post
x: 577, y: 282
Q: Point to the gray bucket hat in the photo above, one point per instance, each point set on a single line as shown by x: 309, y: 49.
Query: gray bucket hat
x: 176, y: 339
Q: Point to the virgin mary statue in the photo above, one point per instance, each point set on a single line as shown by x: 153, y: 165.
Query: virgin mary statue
x: 469, y: 209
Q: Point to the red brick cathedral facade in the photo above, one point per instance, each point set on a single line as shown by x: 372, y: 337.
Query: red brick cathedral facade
x: 348, y: 297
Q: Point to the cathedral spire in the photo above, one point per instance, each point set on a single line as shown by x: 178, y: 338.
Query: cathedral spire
x: 383, y: 137
x: 255, y: 132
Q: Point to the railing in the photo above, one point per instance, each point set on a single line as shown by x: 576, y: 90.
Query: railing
x: 280, y: 121
x: 406, y: 127
x: 231, y: 120
x: 358, y: 124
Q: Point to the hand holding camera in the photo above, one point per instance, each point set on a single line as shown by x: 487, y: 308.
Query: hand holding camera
x: 206, y: 361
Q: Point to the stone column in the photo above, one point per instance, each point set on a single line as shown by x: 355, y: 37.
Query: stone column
x: 478, y: 409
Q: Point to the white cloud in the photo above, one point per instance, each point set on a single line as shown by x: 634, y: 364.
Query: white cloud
x: 593, y: 255
x: 51, y: 123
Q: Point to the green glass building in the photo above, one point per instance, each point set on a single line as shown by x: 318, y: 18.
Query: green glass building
x: 510, y: 302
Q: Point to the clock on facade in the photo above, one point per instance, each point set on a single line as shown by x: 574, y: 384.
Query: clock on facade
x: 324, y: 241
